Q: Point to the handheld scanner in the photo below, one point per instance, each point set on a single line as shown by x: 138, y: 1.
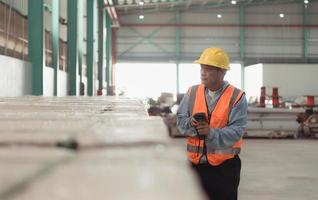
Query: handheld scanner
x: 200, y: 117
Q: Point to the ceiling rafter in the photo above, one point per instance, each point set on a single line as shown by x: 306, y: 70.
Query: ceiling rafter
x: 193, y: 5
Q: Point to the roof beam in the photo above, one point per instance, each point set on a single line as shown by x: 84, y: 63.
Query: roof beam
x: 110, y: 7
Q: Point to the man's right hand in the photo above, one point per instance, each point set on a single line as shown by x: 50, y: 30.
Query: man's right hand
x: 203, y: 128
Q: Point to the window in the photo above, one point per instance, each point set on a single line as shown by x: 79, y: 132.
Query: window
x: 145, y: 79
x: 151, y: 79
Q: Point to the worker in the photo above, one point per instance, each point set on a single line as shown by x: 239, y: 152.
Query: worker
x: 213, y: 144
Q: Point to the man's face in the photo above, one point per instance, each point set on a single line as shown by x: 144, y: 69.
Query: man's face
x: 210, y: 75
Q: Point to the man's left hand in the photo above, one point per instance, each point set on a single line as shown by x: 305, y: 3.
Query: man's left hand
x: 203, y: 128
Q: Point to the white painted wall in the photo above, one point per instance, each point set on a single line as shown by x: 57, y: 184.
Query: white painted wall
x: 48, y: 81
x: 291, y: 79
x: 62, y: 84
x: 15, y: 77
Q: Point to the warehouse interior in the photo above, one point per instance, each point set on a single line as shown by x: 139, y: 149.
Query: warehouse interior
x: 90, y: 90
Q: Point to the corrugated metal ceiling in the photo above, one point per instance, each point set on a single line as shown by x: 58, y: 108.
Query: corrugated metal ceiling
x: 134, y: 6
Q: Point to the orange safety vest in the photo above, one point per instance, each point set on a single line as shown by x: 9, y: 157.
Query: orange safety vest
x: 218, y: 119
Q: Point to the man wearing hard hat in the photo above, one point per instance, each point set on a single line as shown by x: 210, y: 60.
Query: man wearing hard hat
x: 213, y: 118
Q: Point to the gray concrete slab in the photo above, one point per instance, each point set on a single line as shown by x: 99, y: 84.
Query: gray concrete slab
x: 122, y: 154
x: 145, y: 172
x: 46, y: 120
x: 70, y: 104
x: 125, y: 130
x: 21, y: 166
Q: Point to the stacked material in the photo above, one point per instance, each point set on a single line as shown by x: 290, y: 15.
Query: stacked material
x: 272, y: 122
x: 88, y: 148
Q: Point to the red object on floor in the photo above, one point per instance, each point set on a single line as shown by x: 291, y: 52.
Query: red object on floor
x: 275, y: 97
x: 310, y: 101
x: 262, y: 97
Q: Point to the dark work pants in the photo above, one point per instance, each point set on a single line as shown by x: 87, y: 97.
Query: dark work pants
x: 220, y: 182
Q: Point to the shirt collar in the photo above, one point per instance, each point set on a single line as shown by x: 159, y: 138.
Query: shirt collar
x: 224, y: 85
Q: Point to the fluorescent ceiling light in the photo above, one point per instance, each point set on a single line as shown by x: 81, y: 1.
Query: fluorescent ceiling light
x: 306, y: 1
x: 141, y: 3
x: 141, y: 16
x: 281, y: 15
x: 233, y: 2
x: 219, y: 16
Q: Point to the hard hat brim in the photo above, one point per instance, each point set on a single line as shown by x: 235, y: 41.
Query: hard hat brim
x: 211, y: 64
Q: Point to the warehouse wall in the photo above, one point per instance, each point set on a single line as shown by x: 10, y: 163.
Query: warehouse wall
x: 15, y: 78
x: 48, y: 83
x: 21, y: 6
x: 292, y: 79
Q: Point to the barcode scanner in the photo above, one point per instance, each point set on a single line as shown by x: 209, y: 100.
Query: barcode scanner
x: 200, y: 117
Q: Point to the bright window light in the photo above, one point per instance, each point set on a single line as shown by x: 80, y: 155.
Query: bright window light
x: 233, y: 76
x: 141, y: 80
x: 233, y: 2
x: 253, y: 80
x: 189, y: 74
x: 281, y: 15
x: 219, y: 16
x: 141, y: 16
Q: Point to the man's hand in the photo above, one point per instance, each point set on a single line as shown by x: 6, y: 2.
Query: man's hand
x: 203, y: 128
x: 194, y: 122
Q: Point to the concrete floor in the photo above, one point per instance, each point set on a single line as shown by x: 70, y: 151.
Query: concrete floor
x: 277, y: 169
x: 108, y: 148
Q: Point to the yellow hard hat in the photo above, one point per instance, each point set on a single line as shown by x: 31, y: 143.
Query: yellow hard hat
x: 215, y: 57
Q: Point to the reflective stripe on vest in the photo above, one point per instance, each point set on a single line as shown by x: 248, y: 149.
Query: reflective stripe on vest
x: 219, y: 119
x: 196, y: 149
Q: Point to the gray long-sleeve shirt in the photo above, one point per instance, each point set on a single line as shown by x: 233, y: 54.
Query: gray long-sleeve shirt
x: 218, y: 138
